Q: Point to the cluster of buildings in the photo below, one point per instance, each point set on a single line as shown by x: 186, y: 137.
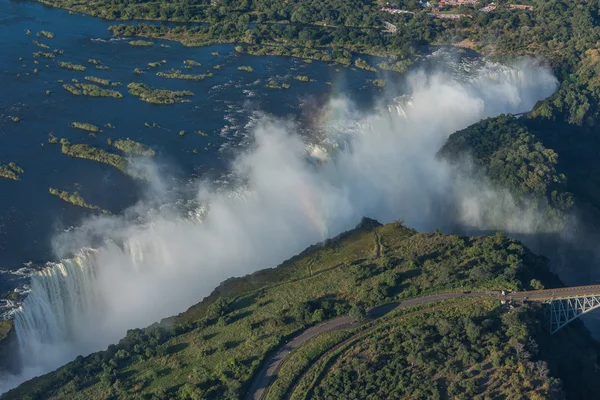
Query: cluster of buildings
x: 520, y: 7
x: 436, y: 7
x: 451, y: 3
x: 489, y: 8
x: 395, y: 11
x: 450, y: 16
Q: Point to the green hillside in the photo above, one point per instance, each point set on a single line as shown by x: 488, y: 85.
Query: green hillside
x: 451, y: 349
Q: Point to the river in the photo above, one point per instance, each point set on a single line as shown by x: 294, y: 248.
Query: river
x: 222, y: 107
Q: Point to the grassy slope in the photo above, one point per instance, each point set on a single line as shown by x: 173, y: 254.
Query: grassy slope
x: 213, y: 349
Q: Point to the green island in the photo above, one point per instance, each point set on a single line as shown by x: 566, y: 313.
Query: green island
x: 463, y: 347
x: 87, y: 89
x: 11, y: 171
x: 42, y: 45
x: 39, y: 54
x: 85, y: 126
x: 377, y: 82
x: 303, y: 78
x: 95, y: 154
x: 274, y: 85
x: 362, y: 64
x: 246, y: 68
x: 71, y: 66
x: 177, y: 74
x: 192, y: 63
x: 75, y: 199
x: 105, y: 82
x: 141, y: 43
x: 132, y: 147
x: 157, y: 96
x: 46, y: 34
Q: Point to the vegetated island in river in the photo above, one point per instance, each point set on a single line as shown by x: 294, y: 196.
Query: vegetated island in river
x: 132, y: 147
x: 87, y: 89
x: 71, y: 66
x: 105, y: 82
x: 75, y: 199
x: 11, y: 171
x: 444, y: 349
x: 141, y: 43
x: 177, y: 74
x: 94, y: 154
x: 85, y: 126
x: 157, y: 96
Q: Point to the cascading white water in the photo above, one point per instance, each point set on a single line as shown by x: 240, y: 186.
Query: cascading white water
x: 63, y: 298
x: 388, y: 171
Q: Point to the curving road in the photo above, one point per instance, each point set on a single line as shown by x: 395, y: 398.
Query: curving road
x: 268, y: 372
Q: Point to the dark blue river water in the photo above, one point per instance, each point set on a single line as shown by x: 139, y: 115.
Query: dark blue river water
x: 222, y: 107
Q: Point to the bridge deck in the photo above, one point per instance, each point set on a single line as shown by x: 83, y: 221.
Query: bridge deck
x: 559, y: 293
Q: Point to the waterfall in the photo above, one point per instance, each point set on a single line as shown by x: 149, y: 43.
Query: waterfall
x: 63, y: 299
x: 387, y: 171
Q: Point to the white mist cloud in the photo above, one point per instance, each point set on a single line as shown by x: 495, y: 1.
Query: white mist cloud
x: 384, y: 167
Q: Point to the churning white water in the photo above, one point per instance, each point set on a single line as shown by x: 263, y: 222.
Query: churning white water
x: 384, y: 167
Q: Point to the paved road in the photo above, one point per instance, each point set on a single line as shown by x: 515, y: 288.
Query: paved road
x: 268, y: 372
x: 271, y: 366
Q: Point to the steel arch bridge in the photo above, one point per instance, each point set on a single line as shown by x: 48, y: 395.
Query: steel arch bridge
x: 564, y: 310
x: 563, y: 304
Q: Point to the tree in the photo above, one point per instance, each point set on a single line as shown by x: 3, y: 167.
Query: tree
x: 535, y: 284
x: 318, y: 315
x: 357, y: 313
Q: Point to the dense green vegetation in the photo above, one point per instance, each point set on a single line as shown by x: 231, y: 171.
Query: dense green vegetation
x: 302, y: 78
x: 511, y: 156
x: 177, y: 74
x: 92, y: 153
x: 86, y: 89
x: 362, y: 64
x: 71, y: 66
x: 39, y: 54
x: 192, y: 63
x: 377, y: 82
x: 11, y: 171
x: 75, y: 199
x: 133, y: 147
x: 157, y: 96
x: 46, y: 34
x: 246, y: 68
x: 461, y: 352
x: 85, y: 126
x: 105, y: 82
x: 214, y: 349
x: 141, y: 43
